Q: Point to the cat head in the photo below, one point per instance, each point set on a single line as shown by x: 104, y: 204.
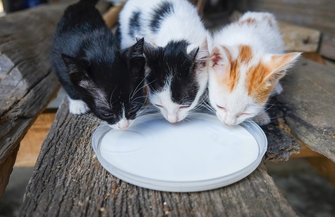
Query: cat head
x: 241, y: 81
x: 177, y: 77
x: 112, y: 86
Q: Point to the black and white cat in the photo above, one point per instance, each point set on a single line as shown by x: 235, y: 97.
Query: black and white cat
x: 176, y: 52
x: 95, y: 74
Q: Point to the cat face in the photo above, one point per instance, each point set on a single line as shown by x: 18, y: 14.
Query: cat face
x: 240, y: 81
x: 112, y: 87
x: 176, y: 78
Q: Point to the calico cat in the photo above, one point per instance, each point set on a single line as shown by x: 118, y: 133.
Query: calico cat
x: 176, y: 52
x: 95, y: 74
x: 246, y: 64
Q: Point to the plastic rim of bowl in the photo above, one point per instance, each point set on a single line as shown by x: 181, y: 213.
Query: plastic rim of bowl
x: 180, y: 186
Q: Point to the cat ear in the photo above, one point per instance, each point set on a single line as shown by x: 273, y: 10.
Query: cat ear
x: 279, y: 63
x: 137, y: 49
x: 201, y: 53
x: 193, y: 54
x: 151, y: 51
x: 136, y: 57
x: 219, y: 56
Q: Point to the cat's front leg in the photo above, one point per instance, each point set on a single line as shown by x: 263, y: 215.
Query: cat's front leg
x: 262, y: 118
x: 77, y: 107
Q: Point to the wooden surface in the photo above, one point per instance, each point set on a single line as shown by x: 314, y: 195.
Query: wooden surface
x: 309, y: 98
x: 26, y: 81
x: 297, y: 38
x: 69, y: 181
x: 31, y: 143
x: 6, y: 168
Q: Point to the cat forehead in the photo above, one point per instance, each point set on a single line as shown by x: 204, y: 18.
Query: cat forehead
x: 244, y: 73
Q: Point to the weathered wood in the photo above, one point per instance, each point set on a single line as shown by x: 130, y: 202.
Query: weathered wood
x: 31, y: 143
x: 26, y: 81
x: 297, y: 38
x: 281, y: 143
x: 327, y: 47
x: 111, y: 16
x: 6, y: 168
x: 69, y: 181
x: 309, y: 99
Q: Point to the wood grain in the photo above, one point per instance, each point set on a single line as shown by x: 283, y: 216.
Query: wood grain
x: 309, y: 98
x: 31, y: 143
x: 26, y: 81
x: 6, y: 168
x: 69, y: 181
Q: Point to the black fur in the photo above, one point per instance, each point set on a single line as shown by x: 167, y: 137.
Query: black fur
x: 173, y: 62
x: 164, y: 9
x: 92, y: 69
x: 134, y: 23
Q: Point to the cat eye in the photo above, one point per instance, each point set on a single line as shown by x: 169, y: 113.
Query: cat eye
x: 221, y: 107
x: 158, y: 105
x: 184, y: 106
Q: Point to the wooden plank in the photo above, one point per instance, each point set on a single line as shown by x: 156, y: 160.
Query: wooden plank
x: 6, y: 168
x: 31, y: 143
x: 309, y: 99
x: 315, y: 57
x: 26, y: 81
x: 324, y: 166
x: 297, y: 38
x: 112, y: 15
x: 69, y: 181
x: 327, y: 47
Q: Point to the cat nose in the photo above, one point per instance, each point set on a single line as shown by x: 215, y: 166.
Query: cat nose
x: 123, y: 124
x: 172, y: 118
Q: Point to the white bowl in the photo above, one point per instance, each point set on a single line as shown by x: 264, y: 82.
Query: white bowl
x: 197, y: 154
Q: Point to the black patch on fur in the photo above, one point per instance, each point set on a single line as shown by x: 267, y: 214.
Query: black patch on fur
x: 134, y: 23
x: 164, y: 9
x: 91, y: 67
x: 173, y: 62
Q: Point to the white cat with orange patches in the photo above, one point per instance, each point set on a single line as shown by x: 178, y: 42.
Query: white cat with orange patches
x: 246, y: 64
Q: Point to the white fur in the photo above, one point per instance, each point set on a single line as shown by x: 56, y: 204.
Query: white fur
x: 265, y: 40
x: 77, y: 107
x: 184, y: 24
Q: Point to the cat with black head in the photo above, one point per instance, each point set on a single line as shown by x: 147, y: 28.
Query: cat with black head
x: 96, y: 75
x: 175, y: 49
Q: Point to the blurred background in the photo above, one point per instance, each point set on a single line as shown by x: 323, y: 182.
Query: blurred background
x: 307, y: 179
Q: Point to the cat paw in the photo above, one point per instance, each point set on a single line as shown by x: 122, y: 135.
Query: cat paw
x: 262, y: 119
x: 77, y: 107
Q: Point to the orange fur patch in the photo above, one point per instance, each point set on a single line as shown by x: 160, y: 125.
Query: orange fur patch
x: 231, y: 78
x: 249, y: 21
x: 244, y: 56
x: 257, y: 87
